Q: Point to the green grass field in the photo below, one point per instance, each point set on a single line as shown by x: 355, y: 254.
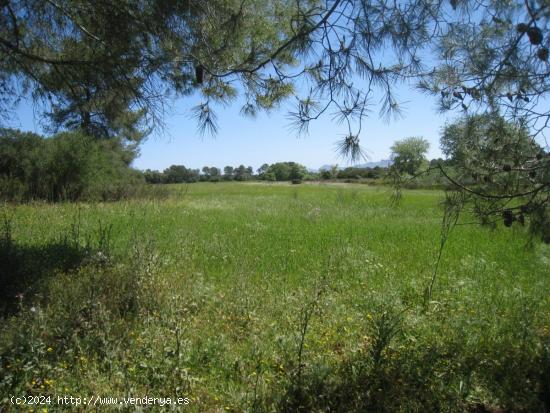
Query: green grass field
x: 255, y: 297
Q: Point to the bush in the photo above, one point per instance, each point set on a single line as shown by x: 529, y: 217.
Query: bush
x: 69, y: 166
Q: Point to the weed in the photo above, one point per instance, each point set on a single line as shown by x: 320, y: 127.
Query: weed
x: 273, y: 298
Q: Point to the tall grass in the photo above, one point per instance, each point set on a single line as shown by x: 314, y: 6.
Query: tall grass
x: 253, y: 297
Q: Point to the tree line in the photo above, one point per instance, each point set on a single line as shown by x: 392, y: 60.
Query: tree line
x: 279, y: 171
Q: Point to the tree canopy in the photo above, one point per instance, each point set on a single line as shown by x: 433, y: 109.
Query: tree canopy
x: 409, y: 154
x: 68, y: 166
x: 109, y: 66
x: 500, y: 168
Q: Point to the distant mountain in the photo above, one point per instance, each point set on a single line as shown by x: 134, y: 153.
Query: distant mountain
x: 384, y: 163
x: 326, y: 168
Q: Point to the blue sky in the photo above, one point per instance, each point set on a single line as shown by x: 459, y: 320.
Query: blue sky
x: 268, y: 139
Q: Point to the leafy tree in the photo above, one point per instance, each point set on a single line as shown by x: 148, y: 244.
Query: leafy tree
x: 297, y: 171
x: 179, y: 174
x: 286, y: 171
x: 22, y: 163
x: 280, y: 170
x: 176, y: 174
x: 215, y: 174
x: 326, y: 174
x: 355, y: 173
x: 262, y: 170
x: 409, y: 154
x: 193, y: 175
x: 211, y: 174
x: 329, y: 172
x: 67, y: 166
x: 242, y: 173
x: 228, y: 173
x: 153, y: 177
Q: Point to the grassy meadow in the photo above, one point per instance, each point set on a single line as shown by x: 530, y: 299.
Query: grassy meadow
x: 249, y: 297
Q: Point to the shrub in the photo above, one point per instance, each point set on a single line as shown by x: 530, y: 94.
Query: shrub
x: 68, y: 166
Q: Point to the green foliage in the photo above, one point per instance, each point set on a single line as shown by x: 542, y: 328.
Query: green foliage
x: 262, y: 170
x: 326, y: 174
x: 153, y: 177
x: 358, y: 173
x: 211, y: 174
x: 242, y: 173
x: 408, y: 155
x: 66, y: 166
x: 475, y: 142
x: 178, y: 174
x: 22, y: 163
x: 284, y: 171
x: 280, y: 170
x: 495, y: 162
x: 228, y: 173
x: 107, y: 68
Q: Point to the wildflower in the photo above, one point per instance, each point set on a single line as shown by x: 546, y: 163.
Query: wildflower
x: 49, y: 349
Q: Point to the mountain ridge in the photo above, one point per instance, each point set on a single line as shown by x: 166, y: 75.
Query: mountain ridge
x: 384, y: 163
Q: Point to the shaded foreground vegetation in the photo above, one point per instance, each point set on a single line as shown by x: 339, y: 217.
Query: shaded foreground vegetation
x: 272, y: 297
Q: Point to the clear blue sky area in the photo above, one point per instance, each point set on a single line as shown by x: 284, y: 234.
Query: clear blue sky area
x: 268, y: 139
